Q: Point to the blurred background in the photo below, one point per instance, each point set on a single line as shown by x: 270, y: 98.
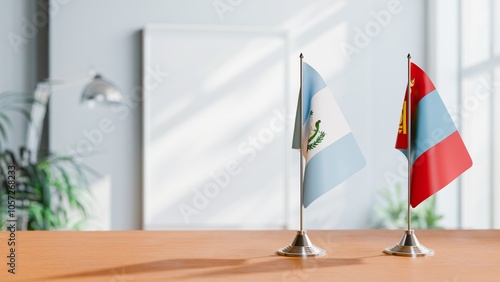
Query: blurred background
x: 201, y: 138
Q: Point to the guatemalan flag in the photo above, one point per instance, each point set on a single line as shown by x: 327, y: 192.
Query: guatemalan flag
x: 330, y: 151
x: 438, y: 154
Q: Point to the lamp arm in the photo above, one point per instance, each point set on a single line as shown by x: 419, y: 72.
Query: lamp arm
x: 57, y: 84
x: 38, y: 111
x: 74, y: 81
x: 44, y: 89
x: 42, y: 94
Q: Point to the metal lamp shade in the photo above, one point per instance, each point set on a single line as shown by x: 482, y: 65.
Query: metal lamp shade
x: 101, y: 90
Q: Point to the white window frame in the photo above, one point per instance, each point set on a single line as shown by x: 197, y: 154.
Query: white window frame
x: 445, y: 66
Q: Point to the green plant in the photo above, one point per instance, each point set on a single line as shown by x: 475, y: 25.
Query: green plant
x: 394, y: 213
x: 12, y: 102
x: 52, y: 192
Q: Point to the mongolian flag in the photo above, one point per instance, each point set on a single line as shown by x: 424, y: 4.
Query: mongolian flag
x: 438, y: 154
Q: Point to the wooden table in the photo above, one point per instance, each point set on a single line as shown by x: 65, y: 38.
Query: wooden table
x: 354, y: 255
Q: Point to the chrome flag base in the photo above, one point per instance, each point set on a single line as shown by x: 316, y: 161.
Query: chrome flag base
x: 301, y: 247
x: 409, y: 247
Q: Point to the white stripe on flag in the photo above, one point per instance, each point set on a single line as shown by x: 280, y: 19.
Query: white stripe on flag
x: 331, y: 121
x: 331, y: 152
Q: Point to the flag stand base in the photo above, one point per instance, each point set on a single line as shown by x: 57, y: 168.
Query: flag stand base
x: 409, y: 247
x: 301, y: 247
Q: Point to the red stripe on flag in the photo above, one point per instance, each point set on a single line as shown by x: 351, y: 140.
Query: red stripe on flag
x: 437, y: 167
x: 421, y: 86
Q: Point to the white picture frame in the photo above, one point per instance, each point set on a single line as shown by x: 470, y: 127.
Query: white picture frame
x: 216, y: 127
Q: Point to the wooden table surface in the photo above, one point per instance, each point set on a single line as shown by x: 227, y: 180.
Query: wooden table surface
x: 353, y: 255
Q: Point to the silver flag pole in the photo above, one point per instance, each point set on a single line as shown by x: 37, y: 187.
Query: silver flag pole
x: 409, y: 245
x: 301, y: 245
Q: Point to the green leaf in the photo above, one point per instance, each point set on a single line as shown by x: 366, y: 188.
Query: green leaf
x: 5, y: 119
x: 3, y: 134
x: 22, y: 111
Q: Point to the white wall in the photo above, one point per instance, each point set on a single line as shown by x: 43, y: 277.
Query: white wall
x: 17, y: 57
x: 368, y: 86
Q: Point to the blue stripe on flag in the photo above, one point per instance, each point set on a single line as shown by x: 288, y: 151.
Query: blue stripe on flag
x: 312, y: 83
x: 331, y: 166
x: 433, y: 124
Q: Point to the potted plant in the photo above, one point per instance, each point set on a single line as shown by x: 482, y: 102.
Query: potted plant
x: 393, y: 213
x: 51, y: 192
